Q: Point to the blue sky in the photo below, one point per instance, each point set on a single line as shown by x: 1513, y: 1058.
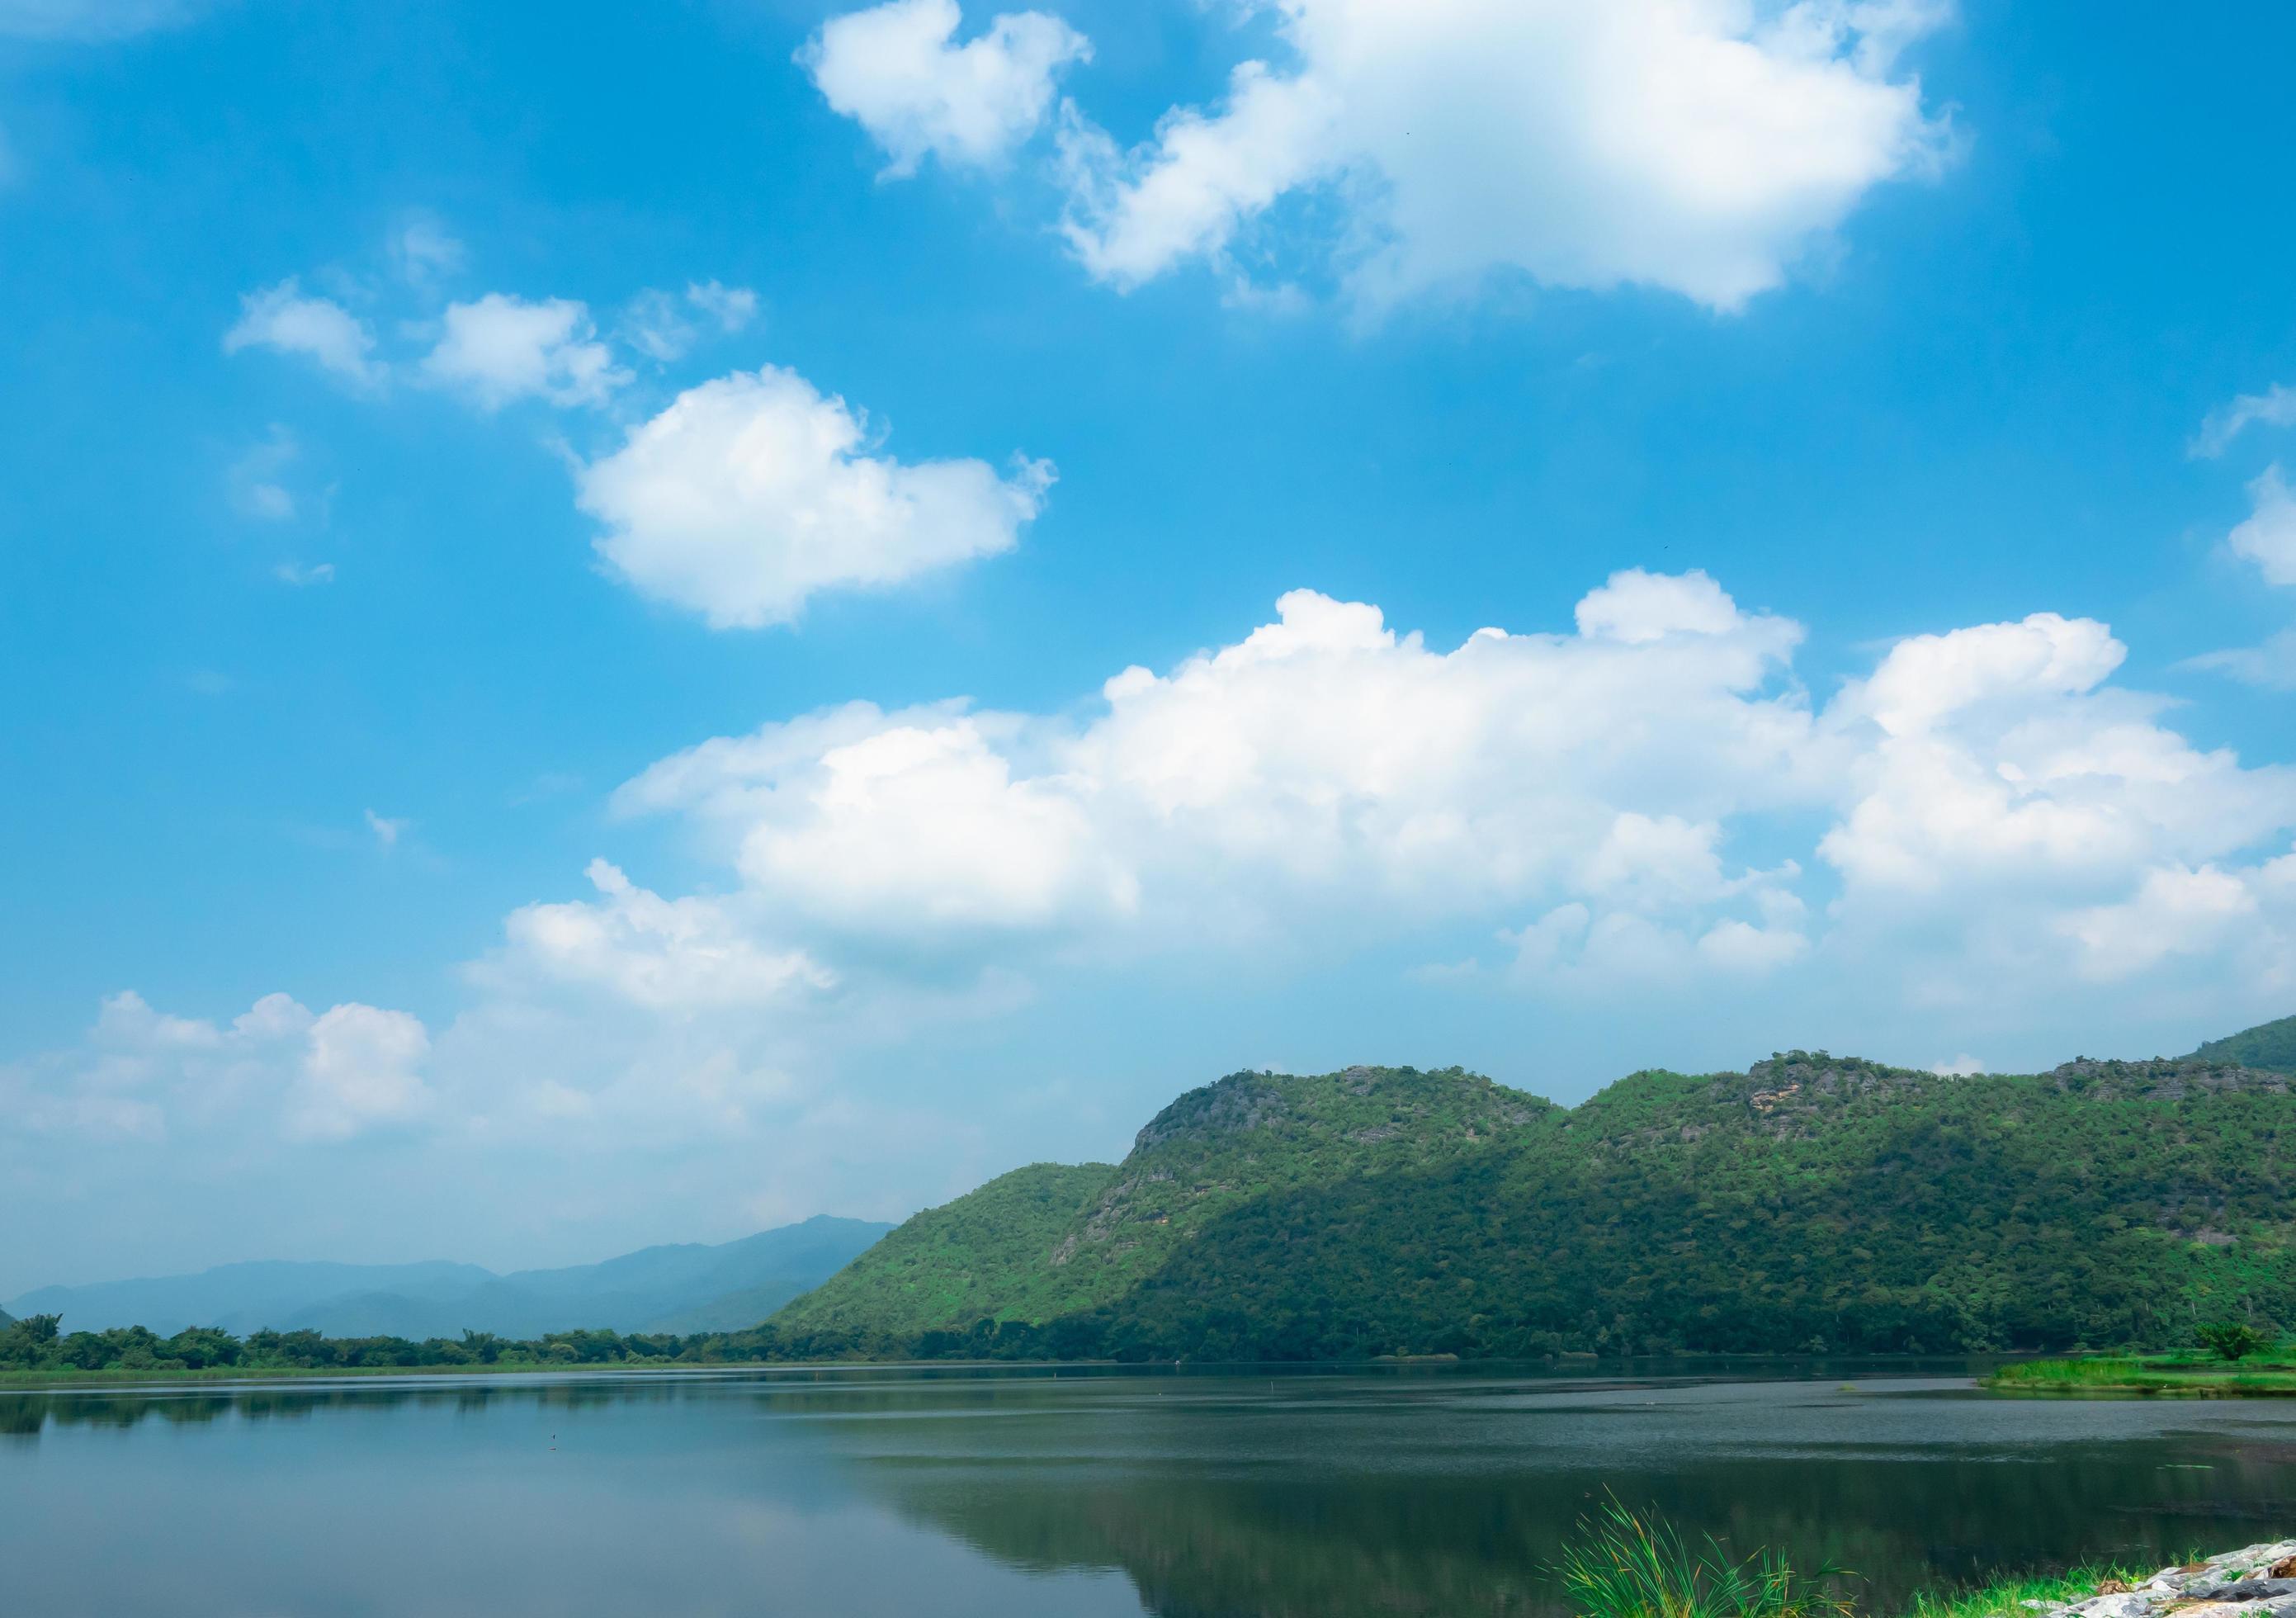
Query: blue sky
x: 451, y: 446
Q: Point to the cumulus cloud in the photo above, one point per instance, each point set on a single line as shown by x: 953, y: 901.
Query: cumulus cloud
x: 360, y: 1070
x: 2275, y: 406
x: 2174, y: 911
x: 1997, y: 758
x: 2267, y: 537
x: 661, y: 954
x: 1697, y: 146
x: 1322, y: 762
x: 894, y: 70
x: 502, y: 348
x: 282, y: 318
x: 1989, y: 782
x: 147, y: 1074
x: 749, y: 493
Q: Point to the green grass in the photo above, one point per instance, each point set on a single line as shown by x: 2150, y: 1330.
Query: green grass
x: 1630, y: 1564
x: 2177, y: 1376
x: 2004, y: 1598
x: 1625, y: 1564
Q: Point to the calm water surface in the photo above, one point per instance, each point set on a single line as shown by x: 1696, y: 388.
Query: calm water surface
x: 1187, y: 1497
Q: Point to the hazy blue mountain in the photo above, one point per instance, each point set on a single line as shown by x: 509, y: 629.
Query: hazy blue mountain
x: 168, y: 1303
x: 684, y: 1287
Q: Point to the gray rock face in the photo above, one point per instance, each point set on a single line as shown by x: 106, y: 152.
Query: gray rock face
x: 2254, y: 1582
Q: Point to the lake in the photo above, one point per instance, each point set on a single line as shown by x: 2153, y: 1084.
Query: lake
x: 1021, y: 1492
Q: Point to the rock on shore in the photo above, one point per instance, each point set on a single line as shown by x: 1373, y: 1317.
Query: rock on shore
x: 2255, y: 1581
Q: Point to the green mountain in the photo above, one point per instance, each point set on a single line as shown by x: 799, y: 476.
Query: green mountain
x: 1812, y: 1202
x: 1049, y: 1241
x: 2271, y: 1045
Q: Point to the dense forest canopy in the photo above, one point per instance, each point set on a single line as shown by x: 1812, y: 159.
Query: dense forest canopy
x: 2271, y: 1045
x: 1813, y: 1203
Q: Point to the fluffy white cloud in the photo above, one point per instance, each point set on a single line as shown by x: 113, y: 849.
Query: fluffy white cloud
x: 283, y: 318
x: 2175, y: 911
x: 1995, y: 757
x: 360, y: 1070
x: 502, y: 348
x: 2275, y: 406
x: 2267, y: 538
x: 1988, y: 782
x: 894, y: 70
x: 749, y: 493
x: 1321, y: 763
x: 1698, y: 146
x: 146, y: 1074
x: 661, y: 954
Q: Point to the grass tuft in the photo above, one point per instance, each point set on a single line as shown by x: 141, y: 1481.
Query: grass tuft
x: 1630, y: 1564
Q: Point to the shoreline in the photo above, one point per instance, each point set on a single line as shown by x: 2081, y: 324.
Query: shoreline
x: 2144, y: 1377
x: 1570, y: 1368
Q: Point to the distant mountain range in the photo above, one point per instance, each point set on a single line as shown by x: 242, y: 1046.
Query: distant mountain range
x: 1811, y: 1203
x: 683, y: 1288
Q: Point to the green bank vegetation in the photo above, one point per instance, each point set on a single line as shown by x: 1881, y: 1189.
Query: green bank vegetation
x: 35, y: 1350
x: 1625, y: 1564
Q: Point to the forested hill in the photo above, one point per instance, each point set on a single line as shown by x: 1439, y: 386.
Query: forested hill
x: 1812, y: 1202
x: 2270, y: 1045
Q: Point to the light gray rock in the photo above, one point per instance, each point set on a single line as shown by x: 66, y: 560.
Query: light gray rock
x: 2203, y: 1589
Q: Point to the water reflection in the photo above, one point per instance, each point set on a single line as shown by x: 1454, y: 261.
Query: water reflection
x: 1187, y: 1497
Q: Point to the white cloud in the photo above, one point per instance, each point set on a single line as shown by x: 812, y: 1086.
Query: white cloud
x: 1980, y: 786
x: 2175, y: 911
x: 1639, y: 607
x: 501, y: 349
x: 664, y: 954
x: 1996, y: 760
x: 424, y: 253
x: 1321, y: 762
x: 2275, y: 406
x: 146, y: 1074
x: 303, y: 575
x: 732, y: 308
x: 1963, y: 1066
x: 360, y: 1070
x: 665, y: 327
x: 1697, y: 146
x: 282, y: 318
x: 2271, y: 667
x: 894, y: 70
x: 256, y: 480
x: 2267, y: 538
x: 749, y: 493
x: 387, y: 831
